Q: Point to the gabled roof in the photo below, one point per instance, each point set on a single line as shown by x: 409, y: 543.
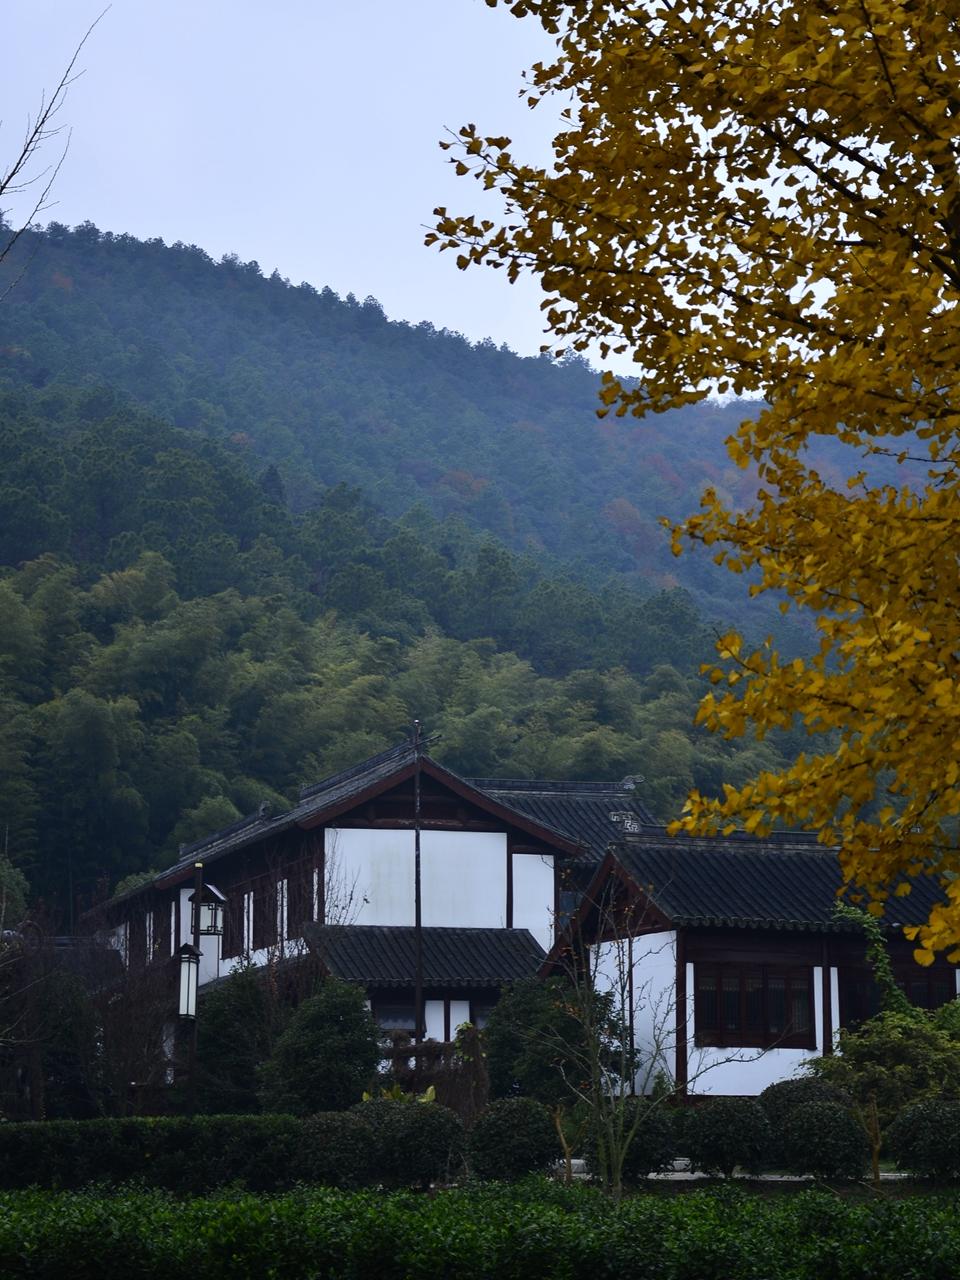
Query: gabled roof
x: 787, y: 881
x: 385, y: 955
x: 595, y: 814
x: 325, y: 800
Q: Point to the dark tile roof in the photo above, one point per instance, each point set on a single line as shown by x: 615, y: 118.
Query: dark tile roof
x: 787, y: 881
x: 385, y: 955
x: 582, y: 811
x: 322, y: 795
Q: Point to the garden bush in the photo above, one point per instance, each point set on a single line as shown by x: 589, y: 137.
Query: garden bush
x: 780, y: 1100
x: 726, y: 1133
x: 925, y: 1139
x: 337, y: 1149
x: 187, y: 1155
x: 825, y: 1139
x: 513, y: 1137
x: 653, y: 1146
x: 415, y: 1143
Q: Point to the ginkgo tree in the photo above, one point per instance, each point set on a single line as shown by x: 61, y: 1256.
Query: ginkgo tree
x: 761, y: 197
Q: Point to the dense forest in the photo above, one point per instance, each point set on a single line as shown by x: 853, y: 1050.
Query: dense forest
x: 332, y: 392
x: 200, y: 614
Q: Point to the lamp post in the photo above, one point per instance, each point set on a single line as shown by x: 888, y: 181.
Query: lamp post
x: 418, y: 1028
x: 206, y: 917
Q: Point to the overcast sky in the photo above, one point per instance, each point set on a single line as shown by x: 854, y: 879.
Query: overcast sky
x: 302, y: 134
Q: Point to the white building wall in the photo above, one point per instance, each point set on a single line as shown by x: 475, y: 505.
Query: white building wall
x: 533, y: 896
x: 433, y: 1019
x: 746, y: 1072
x: 463, y: 876
x: 376, y: 869
x: 459, y: 1014
x: 464, y: 879
x: 835, y: 1002
x: 641, y: 973
x: 654, y: 957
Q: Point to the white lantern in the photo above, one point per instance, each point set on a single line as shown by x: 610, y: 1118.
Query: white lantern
x: 189, y: 976
x: 211, y: 909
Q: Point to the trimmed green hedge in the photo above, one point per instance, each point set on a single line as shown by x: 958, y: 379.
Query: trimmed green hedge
x: 396, y: 1144
x: 528, y: 1229
x: 511, y: 1138
x: 723, y: 1134
x: 925, y: 1139
x: 414, y: 1143
x: 825, y: 1139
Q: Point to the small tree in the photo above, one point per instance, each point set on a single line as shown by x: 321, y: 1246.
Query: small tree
x: 326, y: 1056
x: 893, y: 1060
x: 237, y: 1030
x: 902, y: 1056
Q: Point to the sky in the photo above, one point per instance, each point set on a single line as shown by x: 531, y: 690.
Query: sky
x: 303, y: 134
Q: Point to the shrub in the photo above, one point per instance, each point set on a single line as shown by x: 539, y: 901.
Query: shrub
x: 896, y: 1060
x: 337, y: 1149
x: 653, y: 1145
x: 925, y: 1139
x: 415, y: 1143
x: 512, y: 1137
x: 780, y: 1100
x: 825, y: 1139
x: 725, y: 1133
x: 326, y: 1056
x: 187, y: 1155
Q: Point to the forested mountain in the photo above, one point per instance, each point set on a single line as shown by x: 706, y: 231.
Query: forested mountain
x: 177, y: 645
x: 331, y: 392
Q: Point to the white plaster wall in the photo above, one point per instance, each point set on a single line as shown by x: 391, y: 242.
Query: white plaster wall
x: 464, y: 878
x: 835, y: 1002
x: 433, y: 1019
x: 376, y: 868
x: 746, y: 1072
x: 650, y: 998
x: 533, y: 895
x: 459, y: 1014
x: 655, y: 1006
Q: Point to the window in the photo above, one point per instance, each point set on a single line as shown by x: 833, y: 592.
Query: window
x: 860, y: 995
x: 753, y: 1006
x: 264, y: 912
x: 395, y: 1015
x: 233, y: 940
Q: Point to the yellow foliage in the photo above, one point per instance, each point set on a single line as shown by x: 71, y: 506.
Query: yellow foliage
x: 765, y: 197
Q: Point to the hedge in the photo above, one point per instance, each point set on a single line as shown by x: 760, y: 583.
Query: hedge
x: 925, y: 1139
x: 780, y: 1100
x: 723, y: 1134
x: 192, y: 1155
x: 825, y: 1139
x: 415, y: 1143
x: 513, y: 1233
x: 513, y: 1137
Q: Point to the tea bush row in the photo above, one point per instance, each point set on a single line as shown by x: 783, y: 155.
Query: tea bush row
x: 531, y: 1229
